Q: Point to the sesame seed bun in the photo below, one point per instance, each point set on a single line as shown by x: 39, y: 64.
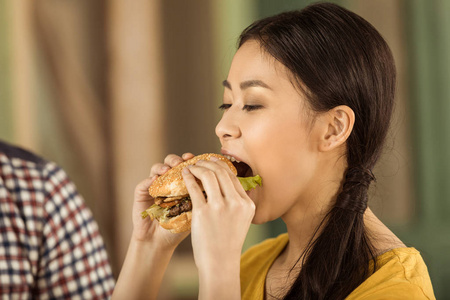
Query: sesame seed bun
x: 171, y: 183
x: 180, y: 223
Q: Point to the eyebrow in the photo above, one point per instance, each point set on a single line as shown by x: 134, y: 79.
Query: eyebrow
x: 247, y: 84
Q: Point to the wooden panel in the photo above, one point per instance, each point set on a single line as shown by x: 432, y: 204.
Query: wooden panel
x: 137, y: 102
x: 72, y: 115
x: 6, y: 126
x: 189, y: 67
x: 22, y: 68
x: 393, y: 198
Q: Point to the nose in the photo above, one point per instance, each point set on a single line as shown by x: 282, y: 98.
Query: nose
x: 228, y: 127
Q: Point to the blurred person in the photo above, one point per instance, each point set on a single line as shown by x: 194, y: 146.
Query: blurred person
x: 307, y: 106
x: 50, y: 245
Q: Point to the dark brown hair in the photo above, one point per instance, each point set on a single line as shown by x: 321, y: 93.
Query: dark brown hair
x: 336, y: 58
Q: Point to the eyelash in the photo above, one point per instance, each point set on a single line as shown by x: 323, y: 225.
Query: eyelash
x: 224, y: 106
x: 246, y: 107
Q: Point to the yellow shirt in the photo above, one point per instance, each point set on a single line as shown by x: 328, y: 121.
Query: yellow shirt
x: 401, y: 273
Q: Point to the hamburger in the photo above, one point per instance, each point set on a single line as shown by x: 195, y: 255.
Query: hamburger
x: 172, y: 206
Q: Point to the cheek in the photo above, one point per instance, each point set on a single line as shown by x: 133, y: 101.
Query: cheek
x: 283, y: 151
x: 285, y: 161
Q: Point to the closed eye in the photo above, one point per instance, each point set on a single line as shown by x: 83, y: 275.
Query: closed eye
x: 252, y: 107
x: 224, y: 106
x: 246, y: 107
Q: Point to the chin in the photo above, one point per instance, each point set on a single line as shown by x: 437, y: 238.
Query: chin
x: 262, y: 216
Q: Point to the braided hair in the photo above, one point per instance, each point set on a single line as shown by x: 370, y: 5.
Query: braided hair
x: 336, y: 58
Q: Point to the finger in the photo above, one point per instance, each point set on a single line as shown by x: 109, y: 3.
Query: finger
x: 141, y: 190
x: 193, y: 188
x: 159, y: 169
x: 173, y: 160
x: 223, y: 164
x: 226, y: 179
x: 237, y: 184
x: 187, y: 156
x: 208, y: 179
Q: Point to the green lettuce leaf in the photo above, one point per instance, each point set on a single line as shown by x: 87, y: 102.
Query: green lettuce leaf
x: 159, y: 213
x: 249, y: 183
x: 155, y: 212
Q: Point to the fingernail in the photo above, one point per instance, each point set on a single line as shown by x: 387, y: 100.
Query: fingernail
x: 213, y: 158
x: 185, y: 170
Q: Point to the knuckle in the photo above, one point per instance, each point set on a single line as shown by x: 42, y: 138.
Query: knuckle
x: 199, y: 211
x: 206, y: 173
x: 155, y: 169
x: 172, y: 160
x: 187, y: 155
x: 223, y: 164
x: 244, y: 205
x: 250, y: 205
x: 190, y: 183
x: 217, y: 206
x: 222, y: 172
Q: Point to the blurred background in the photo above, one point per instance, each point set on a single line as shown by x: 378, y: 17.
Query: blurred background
x: 107, y: 88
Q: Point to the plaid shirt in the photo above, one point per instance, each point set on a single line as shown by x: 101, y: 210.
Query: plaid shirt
x: 50, y: 246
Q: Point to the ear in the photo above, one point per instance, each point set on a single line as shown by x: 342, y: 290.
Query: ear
x: 338, y: 123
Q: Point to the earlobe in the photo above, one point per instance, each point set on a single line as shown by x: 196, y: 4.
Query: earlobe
x: 339, y: 121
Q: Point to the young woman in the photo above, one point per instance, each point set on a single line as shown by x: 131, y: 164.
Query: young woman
x: 307, y: 105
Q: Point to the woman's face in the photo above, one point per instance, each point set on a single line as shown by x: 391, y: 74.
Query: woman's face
x: 267, y: 125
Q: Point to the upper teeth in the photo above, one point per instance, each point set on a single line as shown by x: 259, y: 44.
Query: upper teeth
x: 232, y: 158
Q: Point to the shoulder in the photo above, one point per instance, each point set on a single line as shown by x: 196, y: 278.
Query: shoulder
x: 25, y: 173
x: 263, y: 253
x: 268, y: 245
x: 255, y: 264
x: 22, y: 170
x: 400, y: 273
x: 13, y: 152
x: 54, y: 228
x: 22, y: 183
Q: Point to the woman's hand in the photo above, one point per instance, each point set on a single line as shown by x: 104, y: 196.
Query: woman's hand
x: 146, y: 229
x: 220, y: 223
x: 151, y: 247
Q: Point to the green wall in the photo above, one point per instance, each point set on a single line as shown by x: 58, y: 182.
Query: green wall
x: 428, y: 33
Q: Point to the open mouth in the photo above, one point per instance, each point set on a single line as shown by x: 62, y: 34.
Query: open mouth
x: 243, y: 170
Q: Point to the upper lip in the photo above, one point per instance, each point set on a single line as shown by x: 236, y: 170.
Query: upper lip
x: 227, y: 153
x: 237, y: 158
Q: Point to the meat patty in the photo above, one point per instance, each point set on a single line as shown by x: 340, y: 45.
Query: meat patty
x: 180, y: 208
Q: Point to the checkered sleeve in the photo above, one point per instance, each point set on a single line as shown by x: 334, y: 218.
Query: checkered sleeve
x: 74, y: 262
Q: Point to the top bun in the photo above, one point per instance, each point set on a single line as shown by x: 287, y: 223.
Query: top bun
x: 171, y: 183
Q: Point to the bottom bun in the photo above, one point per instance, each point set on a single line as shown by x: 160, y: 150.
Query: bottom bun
x: 180, y: 223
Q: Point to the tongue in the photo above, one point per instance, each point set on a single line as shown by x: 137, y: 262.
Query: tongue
x: 243, y: 169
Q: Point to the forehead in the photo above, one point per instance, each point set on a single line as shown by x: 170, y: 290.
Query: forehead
x: 251, y: 62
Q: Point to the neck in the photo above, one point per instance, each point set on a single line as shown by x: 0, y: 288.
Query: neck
x: 305, y: 217
x: 302, y: 228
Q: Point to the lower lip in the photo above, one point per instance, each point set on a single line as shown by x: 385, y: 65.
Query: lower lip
x: 251, y: 191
